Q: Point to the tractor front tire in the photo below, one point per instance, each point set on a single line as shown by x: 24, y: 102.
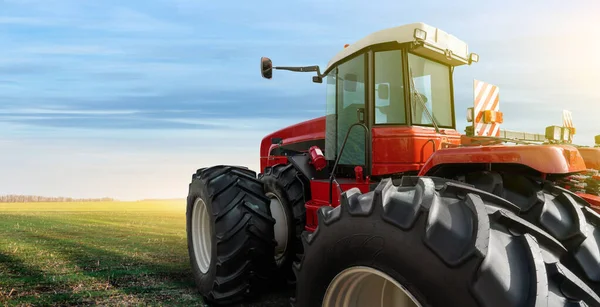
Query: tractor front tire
x: 432, y: 242
x: 229, y: 234
x: 286, y: 190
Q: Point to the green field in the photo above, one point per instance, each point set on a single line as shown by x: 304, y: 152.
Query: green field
x: 107, y: 253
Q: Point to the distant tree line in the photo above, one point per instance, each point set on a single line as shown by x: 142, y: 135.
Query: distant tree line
x: 33, y: 199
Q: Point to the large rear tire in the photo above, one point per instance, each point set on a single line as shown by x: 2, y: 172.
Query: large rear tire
x: 230, y: 234
x: 432, y: 242
x: 286, y: 190
x: 561, y: 213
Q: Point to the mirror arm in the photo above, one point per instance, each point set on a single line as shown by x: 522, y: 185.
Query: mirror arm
x: 267, y: 69
x: 300, y: 69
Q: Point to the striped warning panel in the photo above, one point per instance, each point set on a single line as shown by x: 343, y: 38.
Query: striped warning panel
x: 567, y: 119
x: 486, y: 97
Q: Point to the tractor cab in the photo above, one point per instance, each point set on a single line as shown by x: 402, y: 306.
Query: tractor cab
x: 389, y: 100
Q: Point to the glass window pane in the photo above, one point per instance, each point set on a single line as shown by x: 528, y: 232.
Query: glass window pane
x: 431, y: 93
x: 351, y: 98
x: 389, y: 88
x: 330, y: 145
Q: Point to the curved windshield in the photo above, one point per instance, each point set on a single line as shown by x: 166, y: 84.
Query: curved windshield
x: 430, y: 92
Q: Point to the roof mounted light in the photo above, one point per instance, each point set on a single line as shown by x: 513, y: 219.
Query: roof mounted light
x: 553, y: 133
x: 566, y: 134
x: 473, y: 58
x: 558, y: 134
x: 420, y: 34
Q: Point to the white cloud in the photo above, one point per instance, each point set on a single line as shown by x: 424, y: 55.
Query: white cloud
x: 68, y: 111
x: 26, y: 21
x: 70, y: 50
x: 255, y: 123
x: 127, y: 20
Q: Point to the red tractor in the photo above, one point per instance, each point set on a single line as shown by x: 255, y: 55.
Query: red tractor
x: 382, y: 202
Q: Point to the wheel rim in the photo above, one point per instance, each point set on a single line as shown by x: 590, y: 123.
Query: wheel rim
x: 281, y: 227
x: 367, y: 287
x: 201, y: 235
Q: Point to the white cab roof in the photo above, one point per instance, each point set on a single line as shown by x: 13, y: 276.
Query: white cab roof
x: 437, y: 43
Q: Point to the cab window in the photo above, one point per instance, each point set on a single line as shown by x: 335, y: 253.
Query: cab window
x: 430, y: 92
x: 330, y: 116
x: 351, y: 94
x: 389, y: 88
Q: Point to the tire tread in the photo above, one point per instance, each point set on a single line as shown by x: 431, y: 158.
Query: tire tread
x: 558, y: 213
x: 245, y: 243
x: 489, y: 242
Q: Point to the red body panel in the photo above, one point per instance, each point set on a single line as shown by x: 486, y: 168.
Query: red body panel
x: 591, y: 156
x: 310, y: 130
x: 557, y: 159
x: 401, y: 149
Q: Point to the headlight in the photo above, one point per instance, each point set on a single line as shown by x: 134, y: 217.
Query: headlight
x: 420, y: 34
x: 566, y: 133
x: 474, y: 58
x: 553, y: 133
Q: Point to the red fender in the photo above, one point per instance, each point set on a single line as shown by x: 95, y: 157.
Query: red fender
x: 546, y: 159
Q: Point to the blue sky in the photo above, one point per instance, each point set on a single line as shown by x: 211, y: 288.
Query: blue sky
x: 127, y: 98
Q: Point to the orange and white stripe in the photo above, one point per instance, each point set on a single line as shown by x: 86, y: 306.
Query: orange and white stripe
x: 486, y: 97
x: 567, y: 119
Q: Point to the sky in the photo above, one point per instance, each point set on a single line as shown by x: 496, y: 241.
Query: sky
x: 126, y: 99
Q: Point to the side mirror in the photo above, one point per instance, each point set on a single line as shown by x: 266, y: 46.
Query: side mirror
x: 350, y: 82
x: 266, y: 67
x: 383, y: 91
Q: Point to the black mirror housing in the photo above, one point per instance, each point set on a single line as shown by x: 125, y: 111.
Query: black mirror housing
x: 266, y: 67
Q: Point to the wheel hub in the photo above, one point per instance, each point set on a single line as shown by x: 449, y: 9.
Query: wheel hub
x: 367, y: 287
x: 201, y: 235
x: 281, y: 227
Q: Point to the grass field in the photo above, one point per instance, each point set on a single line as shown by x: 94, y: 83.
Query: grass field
x: 109, y: 253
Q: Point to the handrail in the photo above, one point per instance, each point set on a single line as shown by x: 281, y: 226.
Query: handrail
x: 337, y: 159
